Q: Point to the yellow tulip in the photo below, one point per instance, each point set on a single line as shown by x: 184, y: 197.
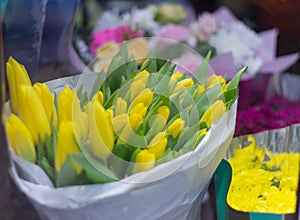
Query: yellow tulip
x: 183, y: 84
x: 110, y: 115
x: 100, y: 133
x: 176, y: 76
x: 47, y: 100
x: 214, y: 80
x: 142, y: 76
x: 32, y: 113
x: 66, y: 145
x: 99, y: 95
x: 160, y: 119
x: 202, y: 134
x: 144, y: 97
x: 213, y: 113
x: 140, y: 109
x: 164, y: 111
x: 144, y: 161
x: 80, y: 120
x: 134, y: 121
x: 175, y: 127
x: 121, y: 106
x: 65, y: 104
x: 119, y: 122
x: 16, y: 75
x: 20, y: 138
x: 136, y: 87
x: 158, y: 145
x: 201, y: 89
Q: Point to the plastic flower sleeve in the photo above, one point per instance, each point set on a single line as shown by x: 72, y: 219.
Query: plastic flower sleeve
x: 172, y: 190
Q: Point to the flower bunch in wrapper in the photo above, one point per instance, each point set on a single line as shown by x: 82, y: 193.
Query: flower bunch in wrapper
x: 267, y: 180
x: 132, y: 119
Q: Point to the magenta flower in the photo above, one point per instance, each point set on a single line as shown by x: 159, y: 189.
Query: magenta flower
x: 116, y: 35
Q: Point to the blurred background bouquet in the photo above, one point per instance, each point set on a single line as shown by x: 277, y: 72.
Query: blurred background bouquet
x: 232, y: 42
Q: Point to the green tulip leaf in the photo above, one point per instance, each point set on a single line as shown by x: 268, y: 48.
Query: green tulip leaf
x: 101, y: 174
x: 98, y: 83
x: 234, y: 83
x: 206, y: 99
x: 67, y: 175
x: 200, y: 76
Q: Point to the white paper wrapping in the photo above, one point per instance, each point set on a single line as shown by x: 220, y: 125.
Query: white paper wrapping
x: 173, y: 190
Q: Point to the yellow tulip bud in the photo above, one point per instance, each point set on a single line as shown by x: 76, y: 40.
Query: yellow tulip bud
x: 201, y: 89
x: 164, y: 111
x: 136, y: 87
x: 65, y: 104
x: 20, y: 138
x: 142, y: 76
x: 160, y: 119
x: 121, y: 106
x: 144, y: 97
x: 16, y: 75
x: 144, y: 161
x: 32, y: 113
x: 158, y: 145
x: 47, y: 100
x: 134, y: 121
x: 66, y: 145
x: 176, y: 76
x: 80, y: 120
x: 213, y: 113
x: 100, y: 133
x: 175, y: 127
x: 183, y: 84
x: 140, y: 109
x: 99, y: 95
x: 214, y: 80
x: 119, y: 122
x: 110, y: 115
x: 202, y: 134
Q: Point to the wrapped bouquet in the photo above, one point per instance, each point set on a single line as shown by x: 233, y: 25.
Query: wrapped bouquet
x: 106, y: 145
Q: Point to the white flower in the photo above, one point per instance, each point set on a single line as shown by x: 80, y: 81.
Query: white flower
x: 108, y: 19
x: 242, y: 42
x: 141, y: 19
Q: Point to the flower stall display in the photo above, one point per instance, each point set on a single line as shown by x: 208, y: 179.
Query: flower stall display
x: 106, y: 145
x: 268, y: 180
x: 219, y: 32
x: 268, y: 102
x: 261, y: 179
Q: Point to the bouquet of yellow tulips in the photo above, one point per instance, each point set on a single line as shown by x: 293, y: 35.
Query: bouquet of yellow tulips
x: 125, y: 121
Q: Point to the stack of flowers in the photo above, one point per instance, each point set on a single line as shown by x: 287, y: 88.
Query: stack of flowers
x: 268, y: 180
x: 131, y: 123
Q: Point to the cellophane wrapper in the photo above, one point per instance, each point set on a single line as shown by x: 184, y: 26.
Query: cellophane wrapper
x: 172, y: 190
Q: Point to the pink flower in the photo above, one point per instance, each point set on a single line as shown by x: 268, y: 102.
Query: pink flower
x: 175, y: 32
x: 206, y: 25
x: 188, y: 63
x: 116, y: 35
